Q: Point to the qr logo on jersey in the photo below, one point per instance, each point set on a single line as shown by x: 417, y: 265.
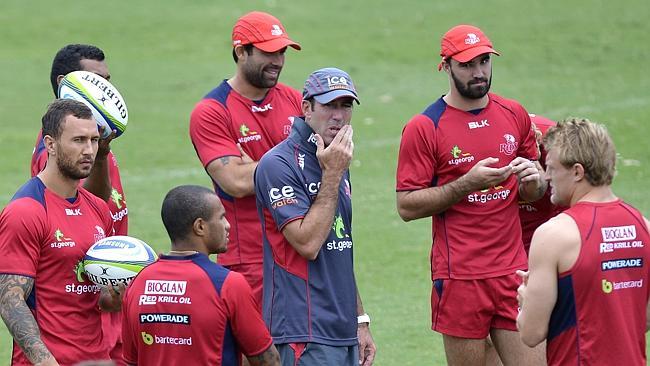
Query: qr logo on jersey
x: 510, y: 146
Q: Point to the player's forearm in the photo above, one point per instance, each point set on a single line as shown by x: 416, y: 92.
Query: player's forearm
x: 99, y: 181
x: 270, y: 357
x: 360, y: 310
x: 234, y: 176
x: 412, y: 205
x: 531, y: 334
x: 19, y: 319
x: 309, y: 235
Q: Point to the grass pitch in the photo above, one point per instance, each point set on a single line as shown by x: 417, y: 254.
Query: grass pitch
x: 559, y: 58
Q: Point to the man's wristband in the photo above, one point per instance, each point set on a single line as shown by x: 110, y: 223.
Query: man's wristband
x: 363, y: 318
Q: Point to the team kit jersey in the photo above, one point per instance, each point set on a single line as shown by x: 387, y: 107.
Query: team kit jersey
x: 116, y: 202
x: 479, y: 236
x: 111, y: 322
x: 46, y: 237
x: 533, y: 214
x: 304, y: 300
x: 189, y: 310
x: 219, y: 122
x: 600, y: 314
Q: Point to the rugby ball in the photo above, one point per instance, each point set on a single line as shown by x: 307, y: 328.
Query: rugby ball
x: 117, y: 259
x: 107, y: 104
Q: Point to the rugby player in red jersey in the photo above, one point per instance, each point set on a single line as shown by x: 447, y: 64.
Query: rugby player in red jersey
x: 186, y: 309
x: 236, y: 123
x: 465, y: 161
x: 49, y: 308
x: 104, y: 180
x: 586, y: 292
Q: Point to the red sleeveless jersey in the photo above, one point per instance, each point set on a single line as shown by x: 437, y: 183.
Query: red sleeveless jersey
x: 600, y: 314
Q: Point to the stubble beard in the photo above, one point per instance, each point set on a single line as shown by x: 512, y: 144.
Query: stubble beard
x: 69, y: 169
x: 256, y: 78
x: 469, y: 91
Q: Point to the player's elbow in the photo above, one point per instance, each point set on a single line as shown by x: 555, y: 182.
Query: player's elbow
x: 405, y: 214
x: 307, y: 248
x: 408, y: 208
x: 237, y: 189
x: 309, y: 253
x: 406, y: 211
x: 532, y: 337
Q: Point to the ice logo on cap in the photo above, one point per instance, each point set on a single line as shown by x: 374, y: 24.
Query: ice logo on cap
x: 337, y: 82
x: 472, y: 39
x: 276, y: 31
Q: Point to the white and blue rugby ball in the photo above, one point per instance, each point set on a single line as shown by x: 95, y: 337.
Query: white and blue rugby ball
x: 106, y: 103
x: 117, y: 259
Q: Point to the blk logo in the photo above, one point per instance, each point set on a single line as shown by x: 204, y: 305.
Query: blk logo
x: 478, y: 124
x: 73, y: 212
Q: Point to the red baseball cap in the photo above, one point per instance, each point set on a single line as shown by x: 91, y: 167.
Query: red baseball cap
x: 463, y: 43
x: 263, y: 30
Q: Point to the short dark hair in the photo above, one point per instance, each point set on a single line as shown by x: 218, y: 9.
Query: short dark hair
x: 182, y: 206
x: 56, y: 113
x: 68, y: 60
x: 247, y: 47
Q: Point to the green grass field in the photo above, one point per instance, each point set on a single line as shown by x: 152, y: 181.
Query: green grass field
x: 559, y: 58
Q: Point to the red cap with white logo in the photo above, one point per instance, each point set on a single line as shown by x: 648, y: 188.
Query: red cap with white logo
x: 463, y: 43
x: 263, y: 30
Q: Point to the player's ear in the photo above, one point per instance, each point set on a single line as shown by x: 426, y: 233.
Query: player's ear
x: 578, y: 172
x: 446, y: 65
x: 50, y: 144
x: 58, y: 79
x: 199, y: 227
x: 306, y: 108
x: 240, y: 52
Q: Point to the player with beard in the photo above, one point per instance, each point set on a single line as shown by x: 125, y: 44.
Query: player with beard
x: 46, y: 230
x: 236, y: 123
x: 466, y: 161
x: 104, y: 180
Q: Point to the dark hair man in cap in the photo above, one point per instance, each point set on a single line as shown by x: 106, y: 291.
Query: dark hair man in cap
x: 311, y: 302
x: 236, y: 123
x: 586, y: 292
x: 466, y: 161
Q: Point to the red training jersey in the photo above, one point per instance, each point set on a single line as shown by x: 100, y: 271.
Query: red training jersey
x: 46, y: 237
x: 117, y: 200
x: 600, y: 314
x: 479, y: 236
x: 533, y: 214
x: 218, y: 123
x: 191, y: 310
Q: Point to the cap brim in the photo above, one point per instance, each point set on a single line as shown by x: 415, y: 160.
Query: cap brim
x: 335, y: 94
x: 276, y: 44
x: 469, y: 54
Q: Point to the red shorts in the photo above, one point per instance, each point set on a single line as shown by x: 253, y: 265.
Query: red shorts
x: 253, y: 273
x: 470, y: 308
